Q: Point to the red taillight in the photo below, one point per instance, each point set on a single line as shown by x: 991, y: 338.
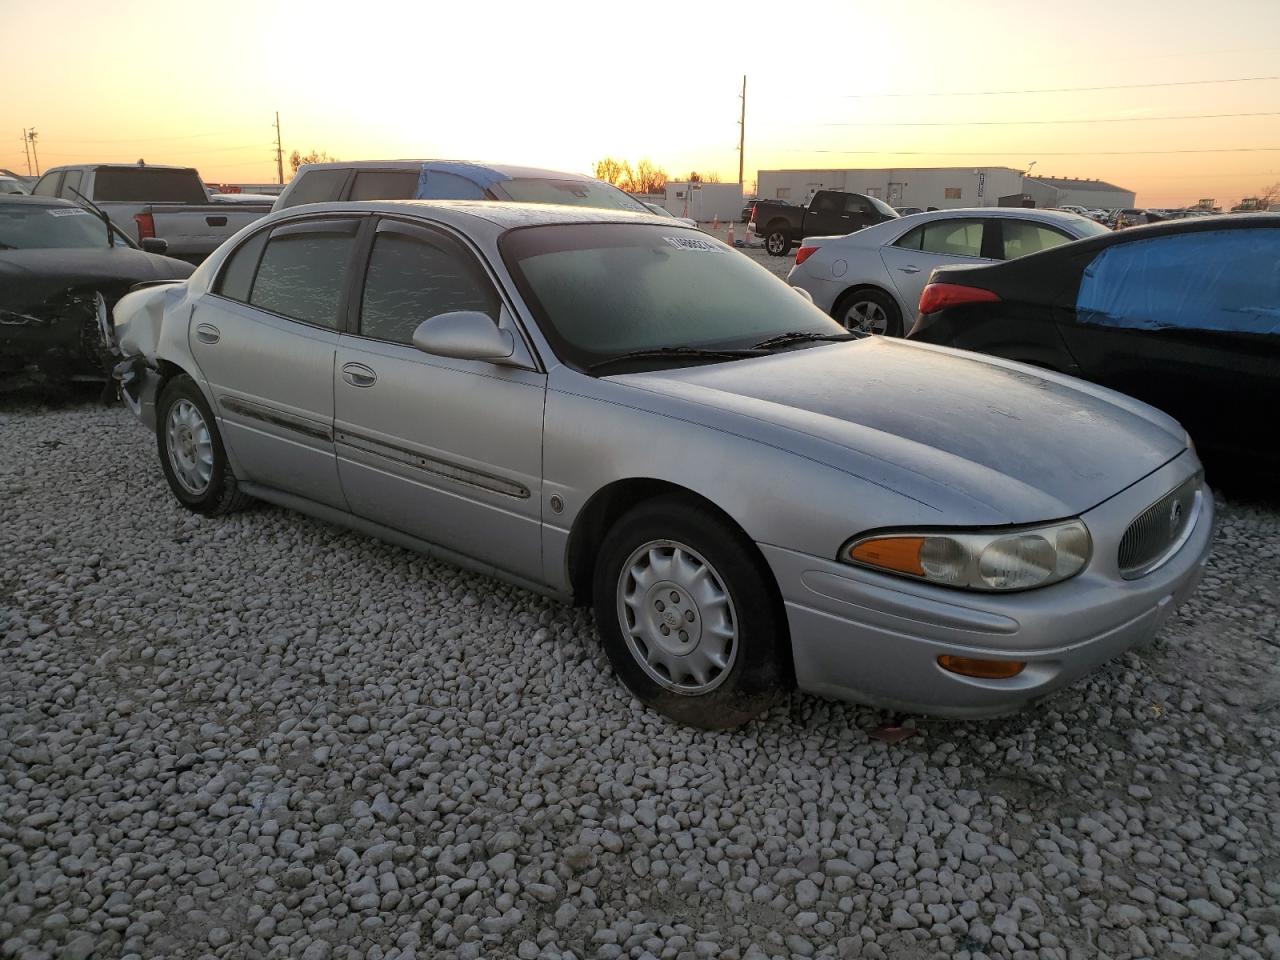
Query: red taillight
x: 940, y: 296
x: 804, y: 253
x: 146, y: 225
x: 753, y: 213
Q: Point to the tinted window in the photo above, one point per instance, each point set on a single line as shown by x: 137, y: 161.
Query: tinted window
x: 1208, y: 280
x: 953, y: 238
x: 237, y: 274
x: 411, y: 280
x: 47, y: 186
x: 828, y: 203
x: 301, y: 276
x: 71, y: 182
x: 385, y: 185
x: 575, y: 193
x: 148, y: 185
x: 1022, y: 237
x: 315, y: 186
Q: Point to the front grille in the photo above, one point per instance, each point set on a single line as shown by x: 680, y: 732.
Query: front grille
x: 1158, y: 529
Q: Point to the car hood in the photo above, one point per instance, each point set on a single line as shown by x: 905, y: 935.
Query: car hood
x: 932, y: 423
x: 30, y: 277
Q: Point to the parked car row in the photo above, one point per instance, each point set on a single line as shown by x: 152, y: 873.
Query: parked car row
x: 628, y: 414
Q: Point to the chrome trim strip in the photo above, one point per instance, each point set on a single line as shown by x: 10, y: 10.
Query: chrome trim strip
x: 278, y: 418
x: 439, y: 468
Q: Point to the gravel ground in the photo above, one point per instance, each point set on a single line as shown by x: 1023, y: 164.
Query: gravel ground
x: 259, y: 736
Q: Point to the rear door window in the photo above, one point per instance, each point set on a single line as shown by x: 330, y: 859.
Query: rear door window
x: 316, y: 186
x: 384, y: 185
x: 303, y: 271
x: 415, y: 275
x: 1021, y: 237
x: 953, y: 238
x: 148, y: 185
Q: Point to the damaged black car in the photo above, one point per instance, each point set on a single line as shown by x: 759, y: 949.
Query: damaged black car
x: 62, y: 269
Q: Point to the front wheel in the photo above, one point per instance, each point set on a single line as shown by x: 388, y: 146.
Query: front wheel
x: 869, y: 312
x: 777, y: 242
x: 191, y: 452
x: 689, y: 615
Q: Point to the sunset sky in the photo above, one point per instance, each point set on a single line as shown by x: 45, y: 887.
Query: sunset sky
x: 562, y: 84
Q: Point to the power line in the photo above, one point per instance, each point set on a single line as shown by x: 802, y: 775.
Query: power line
x: 1042, y: 153
x: 185, y: 136
x: 1018, y: 123
x: 1001, y: 93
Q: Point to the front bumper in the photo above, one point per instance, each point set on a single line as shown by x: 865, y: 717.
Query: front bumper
x: 873, y: 638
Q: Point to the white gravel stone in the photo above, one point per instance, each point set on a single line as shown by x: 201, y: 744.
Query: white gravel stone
x: 259, y: 735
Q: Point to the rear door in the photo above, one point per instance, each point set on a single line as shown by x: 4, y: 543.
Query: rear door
x: 265, y: 337
x: 1190, y: 323
x: 939, y: 243
x: 447, y: 450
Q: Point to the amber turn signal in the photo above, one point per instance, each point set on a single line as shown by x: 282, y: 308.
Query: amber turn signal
x: 982, y: 669
x: 891, y: 553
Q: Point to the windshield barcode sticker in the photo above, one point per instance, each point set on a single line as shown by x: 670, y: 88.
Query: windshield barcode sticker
x: 67, y: 212
x: 693, y: 243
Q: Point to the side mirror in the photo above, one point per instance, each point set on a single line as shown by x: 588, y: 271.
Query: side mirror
x: 155, y: 245
x: 804, y: 293
x: 464, y: 335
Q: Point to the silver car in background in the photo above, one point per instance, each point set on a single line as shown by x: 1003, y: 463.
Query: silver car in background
x: 620, y: 411
x: 871, y: 280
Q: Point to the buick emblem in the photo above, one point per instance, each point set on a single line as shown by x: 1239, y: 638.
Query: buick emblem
x: 1175, y: 516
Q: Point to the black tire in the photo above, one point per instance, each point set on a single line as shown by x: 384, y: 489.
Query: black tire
x: 760, y: 669
x: 220, y: 495
x: 777, y: 241
x: 886, y: 303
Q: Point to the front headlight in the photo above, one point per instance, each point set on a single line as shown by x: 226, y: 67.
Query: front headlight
x: 978, y: 560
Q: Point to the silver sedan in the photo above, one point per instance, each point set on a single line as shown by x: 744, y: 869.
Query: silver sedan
x: 871, y: 280
x: 619, y: 411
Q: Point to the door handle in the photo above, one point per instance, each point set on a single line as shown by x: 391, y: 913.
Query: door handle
x: 216, y: 221
x: 909, y: 269
x: 358, y: 375
x: 208, y: 333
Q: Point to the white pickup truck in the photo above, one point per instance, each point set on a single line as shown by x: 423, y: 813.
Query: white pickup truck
x: 144, y: 201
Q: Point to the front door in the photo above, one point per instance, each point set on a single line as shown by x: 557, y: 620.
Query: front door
x: 447, y: 450
x: 265, y: 338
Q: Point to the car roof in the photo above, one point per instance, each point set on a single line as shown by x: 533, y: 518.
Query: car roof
x: 1024, y: 213
x: 115, y: 166
x: 501, y: 213
x: 481, y: 171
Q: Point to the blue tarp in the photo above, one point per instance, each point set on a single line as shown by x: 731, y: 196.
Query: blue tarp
x: 1208, y: 280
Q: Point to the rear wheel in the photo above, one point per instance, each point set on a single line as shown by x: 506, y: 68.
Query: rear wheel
x: 869, y: 311
x: 777, y: 241
x: 689, y: 616
x: 191, y: 452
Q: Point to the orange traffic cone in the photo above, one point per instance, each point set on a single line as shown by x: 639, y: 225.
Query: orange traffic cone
x: 731, y: 241
x: 716, y: 223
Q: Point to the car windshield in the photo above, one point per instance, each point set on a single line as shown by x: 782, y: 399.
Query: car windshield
x: 1083, y: 226
x: 883, y: 207
x: 603, y: 290
x: 8, y: 185
x: 29, y: 226
x: 575, y: 193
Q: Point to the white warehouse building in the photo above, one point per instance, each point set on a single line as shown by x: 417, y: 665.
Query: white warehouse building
x: 943, y: 187
x: 703, y: 201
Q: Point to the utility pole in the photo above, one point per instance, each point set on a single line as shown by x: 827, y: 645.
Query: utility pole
x: 742, y: 127
x: 31, y: 136
x: 27, y: 150
x: 279, y: 152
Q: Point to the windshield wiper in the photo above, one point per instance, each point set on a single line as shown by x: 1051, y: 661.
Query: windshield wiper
x: 662, y: 353
x: 112, y: 229
x: 801, y: 336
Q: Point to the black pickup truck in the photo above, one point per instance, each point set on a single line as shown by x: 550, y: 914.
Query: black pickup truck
x: 829, y: 212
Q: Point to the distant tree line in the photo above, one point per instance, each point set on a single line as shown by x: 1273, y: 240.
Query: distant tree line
x: 297, y: 159
x: 644, y: 177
